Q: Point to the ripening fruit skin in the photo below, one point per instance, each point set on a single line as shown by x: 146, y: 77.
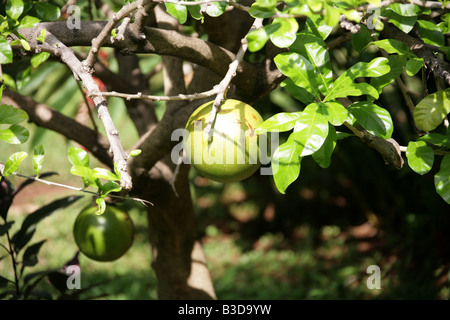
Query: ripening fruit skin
x: 233, y: 153
x: 103, y: 237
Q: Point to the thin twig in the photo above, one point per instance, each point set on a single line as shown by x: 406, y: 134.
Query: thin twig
x: 101, y: 38
x: 56, y: 184
x: 179, y: 97
x: 225, y: 83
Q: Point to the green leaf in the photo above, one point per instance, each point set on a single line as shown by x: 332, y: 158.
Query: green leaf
x: 25, y: 44
x: 195, y: 12
x: 373, y: 118
x: 285, y: 164
x: 403, y: 22
x: 437, y: 139
x: 361, y: 39
x: 393, y: 46
x: 420, y: 156
x: 47, y: 11
x: 6, y: 55
x: 11, y: 115
x: 283, y: 121
x: 135, y: 152
x: 38, y: 159
x: 30, y: 255
x: 310, y: 130
x: 215, y: 9
x: 286, y: 33
x: 102, y: 173
x: 28, y: 22
x: 108, y: 187
x: 431, y: 111
x: 323, y: 156
x: 42, y: 35
x: 15, y: 134
x: 397, y: 64
x: 78, y: 157
x: 413, y: 66
x: 406, y: 10
x: 335, y: 112
x: 262, y: 8
x: 257, y: 39
x: 298, y: 93
x: 299, y: 69
x: 349, y: 88
x: 14, y: 8
x: 317, y: 25
x: 178, y: 11
x: 430, y: 33
x: 38, y: 58
x: 344, y: 86
x: 82, y: 171
x: 14, y: 162
x: 442, y: 179
x: 101, y: 205
x: 315, y: 49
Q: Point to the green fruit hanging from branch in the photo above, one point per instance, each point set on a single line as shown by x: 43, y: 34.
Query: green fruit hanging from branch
x: 230, y: 152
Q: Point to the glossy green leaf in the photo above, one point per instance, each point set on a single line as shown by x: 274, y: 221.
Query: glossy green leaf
x: 263, y: 8
x: 344, y: 86
x: 101, y: 203
x: 285, y: 165
x: 6, y: 55
x: 420, y: 156
x: 109, y: 187
x: 11, y: 115
x: 82, y: 171
x: 38, y: 159
x: 178, y: 11
x: 373, y: 118
x: 14, y: 8
x: 39, y: 58
x: 430, y: 33
x: 335, y: 112
x: 46, y: 11
x: 215, y: 9
x: 283, y: 121
x: 13, y: 162
x: 413, y: 66
x: 286, y: 33
x: 361, y: 39
x: 317, y: 25
x: 437, y: 139
x: 442, y: 179
x: 323, y: 156
x: 315, y: 49
x: 15, y: 134
x: 103, y: 173
x: 257, y: 39
x: 310, y: 130
x: 297, y: 92
x: 403, y: 22
x: 406, y: 10
x: 28, y: 22
x: 431, y: 111
x: 393, y: 46
x: 78, y: 157
x: 397, y: 64
x: 349, y: 88
x: 299, y: 69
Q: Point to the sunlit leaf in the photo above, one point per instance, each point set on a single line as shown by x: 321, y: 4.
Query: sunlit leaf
x: 431, y: 111
x: 323, y: 156
x: 283, y: 121
x: 13, y: 162
x: 15, y: 134
x: 373, y: 118
x: 38, y: 159
x: 285, y: 165
x: 420, y: 156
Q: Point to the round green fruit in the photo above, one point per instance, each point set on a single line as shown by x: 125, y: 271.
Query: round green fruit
x: 106, y: 236
x: 231, y: 152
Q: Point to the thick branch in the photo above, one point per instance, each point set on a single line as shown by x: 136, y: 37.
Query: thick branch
x: 51, y: 119
x: 254, y: 80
